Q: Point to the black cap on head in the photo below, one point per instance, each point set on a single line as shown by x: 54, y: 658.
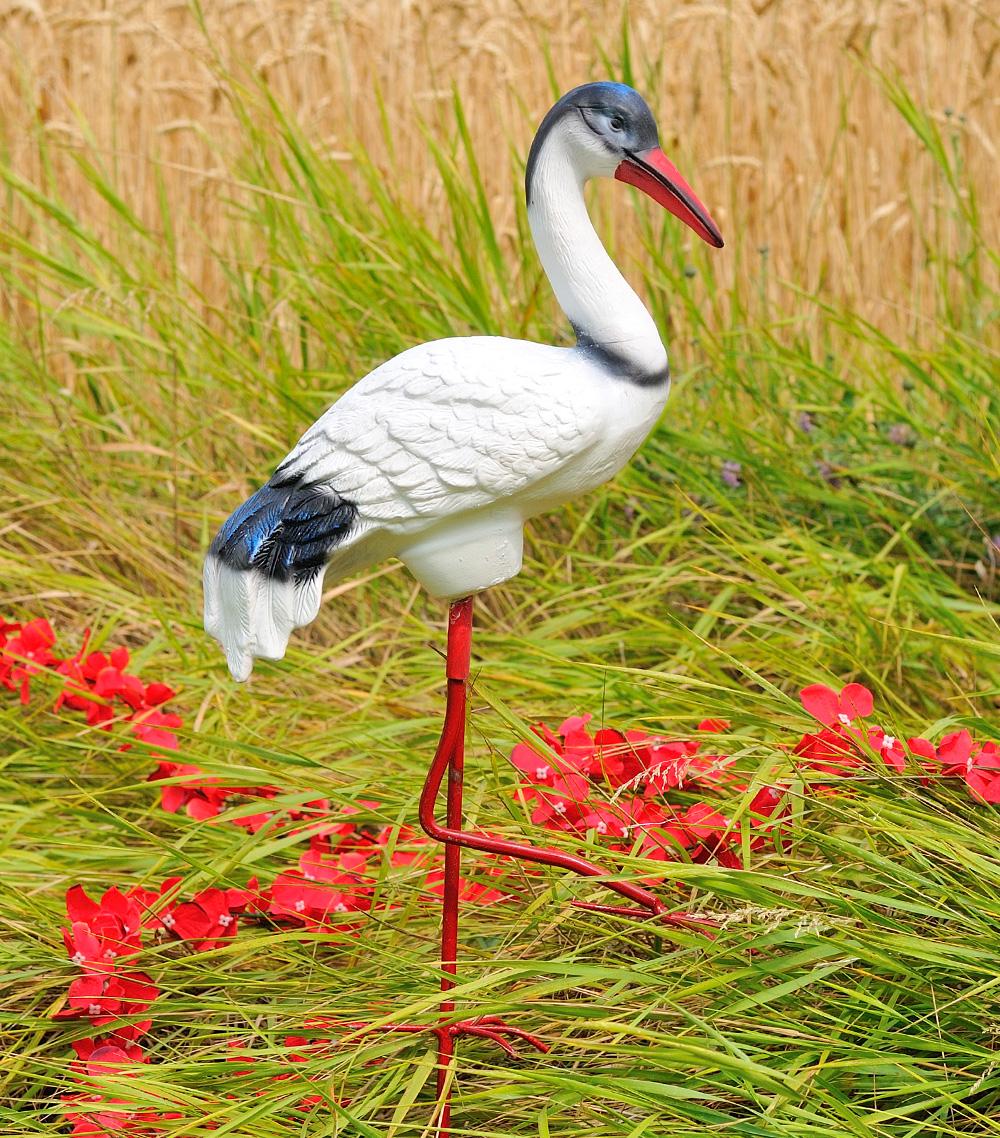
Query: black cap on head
x: 617, y: 115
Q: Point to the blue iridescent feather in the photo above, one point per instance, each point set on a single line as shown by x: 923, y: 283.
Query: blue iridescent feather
x: 286, y: 529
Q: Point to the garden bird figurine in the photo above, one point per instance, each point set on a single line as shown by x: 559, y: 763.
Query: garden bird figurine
x: 440, y: 455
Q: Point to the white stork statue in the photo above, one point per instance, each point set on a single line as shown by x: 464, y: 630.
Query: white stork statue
x: 440, y: 455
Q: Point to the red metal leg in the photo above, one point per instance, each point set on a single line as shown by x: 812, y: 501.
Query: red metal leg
x: 450, y: 757
x: 457, y: 670
x: 452, y: 746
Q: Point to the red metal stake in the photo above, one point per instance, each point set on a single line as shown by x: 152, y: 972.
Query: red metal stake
x: 453, y: 739
x: 450, y: 757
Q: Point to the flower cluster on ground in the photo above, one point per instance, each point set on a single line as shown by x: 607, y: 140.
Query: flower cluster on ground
x: 94, y: 683
x: 635, y: 791
x: 331, y: 888
x: 660, y: 798
x: 103, y: 938
x: 617, y: 784
x: 847, y: 743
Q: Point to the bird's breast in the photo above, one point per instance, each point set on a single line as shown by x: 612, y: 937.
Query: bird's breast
x: 613, y: 417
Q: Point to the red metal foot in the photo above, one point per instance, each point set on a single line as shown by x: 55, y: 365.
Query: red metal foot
x: 492, y: 1028
x: 681, y: 920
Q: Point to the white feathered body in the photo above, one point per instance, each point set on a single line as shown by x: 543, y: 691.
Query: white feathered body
x: 444, y: 452
x: 454, y: 426
x: 440, y: 455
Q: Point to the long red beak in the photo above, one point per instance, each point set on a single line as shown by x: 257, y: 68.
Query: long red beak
x: 654, y: 174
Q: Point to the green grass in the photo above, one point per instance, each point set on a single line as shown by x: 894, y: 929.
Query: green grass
x: 854, y: 988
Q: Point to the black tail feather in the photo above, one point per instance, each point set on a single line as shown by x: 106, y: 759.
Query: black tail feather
x: 287, y: 529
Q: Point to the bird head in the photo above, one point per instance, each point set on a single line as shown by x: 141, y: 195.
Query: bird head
x: 610, y: 132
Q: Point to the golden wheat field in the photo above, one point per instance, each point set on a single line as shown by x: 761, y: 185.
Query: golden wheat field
x: 776, y: 111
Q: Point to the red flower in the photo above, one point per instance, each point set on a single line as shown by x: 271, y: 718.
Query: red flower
x: 96, y: 1123
x: 473, y: 892
x: 24, y: 654
x: 983, y: 774
x: 95, y: 662
x: 829, y: 752
x: 766, y: 803
x: 93, y: 1122
x: 956, y: 752
x: 700, y: 830
x: 707, y: 824
x: 129, y: 1032
x: 960, y: 756
x: 602, y: 757
x: 349, y: 834
x: 408, y: 849
x: 889, y: 747
x: 625, y: 758
x: 207, y: 919
x: 112, y: 683
x: 155, y: 728
x: 101, y: 1055
x: 712, y: 834
x: 313, y: 895
x: 157, y: 694
x: 714, y: 725
x: 148, y: 902
x: 76, y: 692
x: 832, y: 710
x: 200, y: 796
x: 87, y: 950
x: 837, y: 748
x: 101, y: 933
x: 536, y: 768
x: 6, y: 627
x: 346, y: 868
x: 578, y: 747
x: 606, y: 820
x: 561, y: 803
x: 97, y: 1058
x: 104, y: 997
x: 246, y: 900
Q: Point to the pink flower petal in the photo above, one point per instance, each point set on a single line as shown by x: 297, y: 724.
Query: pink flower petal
x: 856, y: 701
x: 955, y: 748
x: 821, y: 702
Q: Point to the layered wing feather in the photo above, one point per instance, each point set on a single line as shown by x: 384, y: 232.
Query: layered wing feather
x: 447, y: 427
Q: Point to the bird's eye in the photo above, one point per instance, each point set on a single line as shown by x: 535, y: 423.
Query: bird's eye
x: 616, y: 122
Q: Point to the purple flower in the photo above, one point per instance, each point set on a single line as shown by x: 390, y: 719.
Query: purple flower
x: 731, y: 473
x: 901, y: 435
x: 805, y: 422
x: 827, y: 473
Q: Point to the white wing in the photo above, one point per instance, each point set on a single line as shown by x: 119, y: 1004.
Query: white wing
x: 448, y: 427
x: 441, y: 430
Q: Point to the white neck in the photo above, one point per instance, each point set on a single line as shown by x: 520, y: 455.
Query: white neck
x: 600, y: 303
